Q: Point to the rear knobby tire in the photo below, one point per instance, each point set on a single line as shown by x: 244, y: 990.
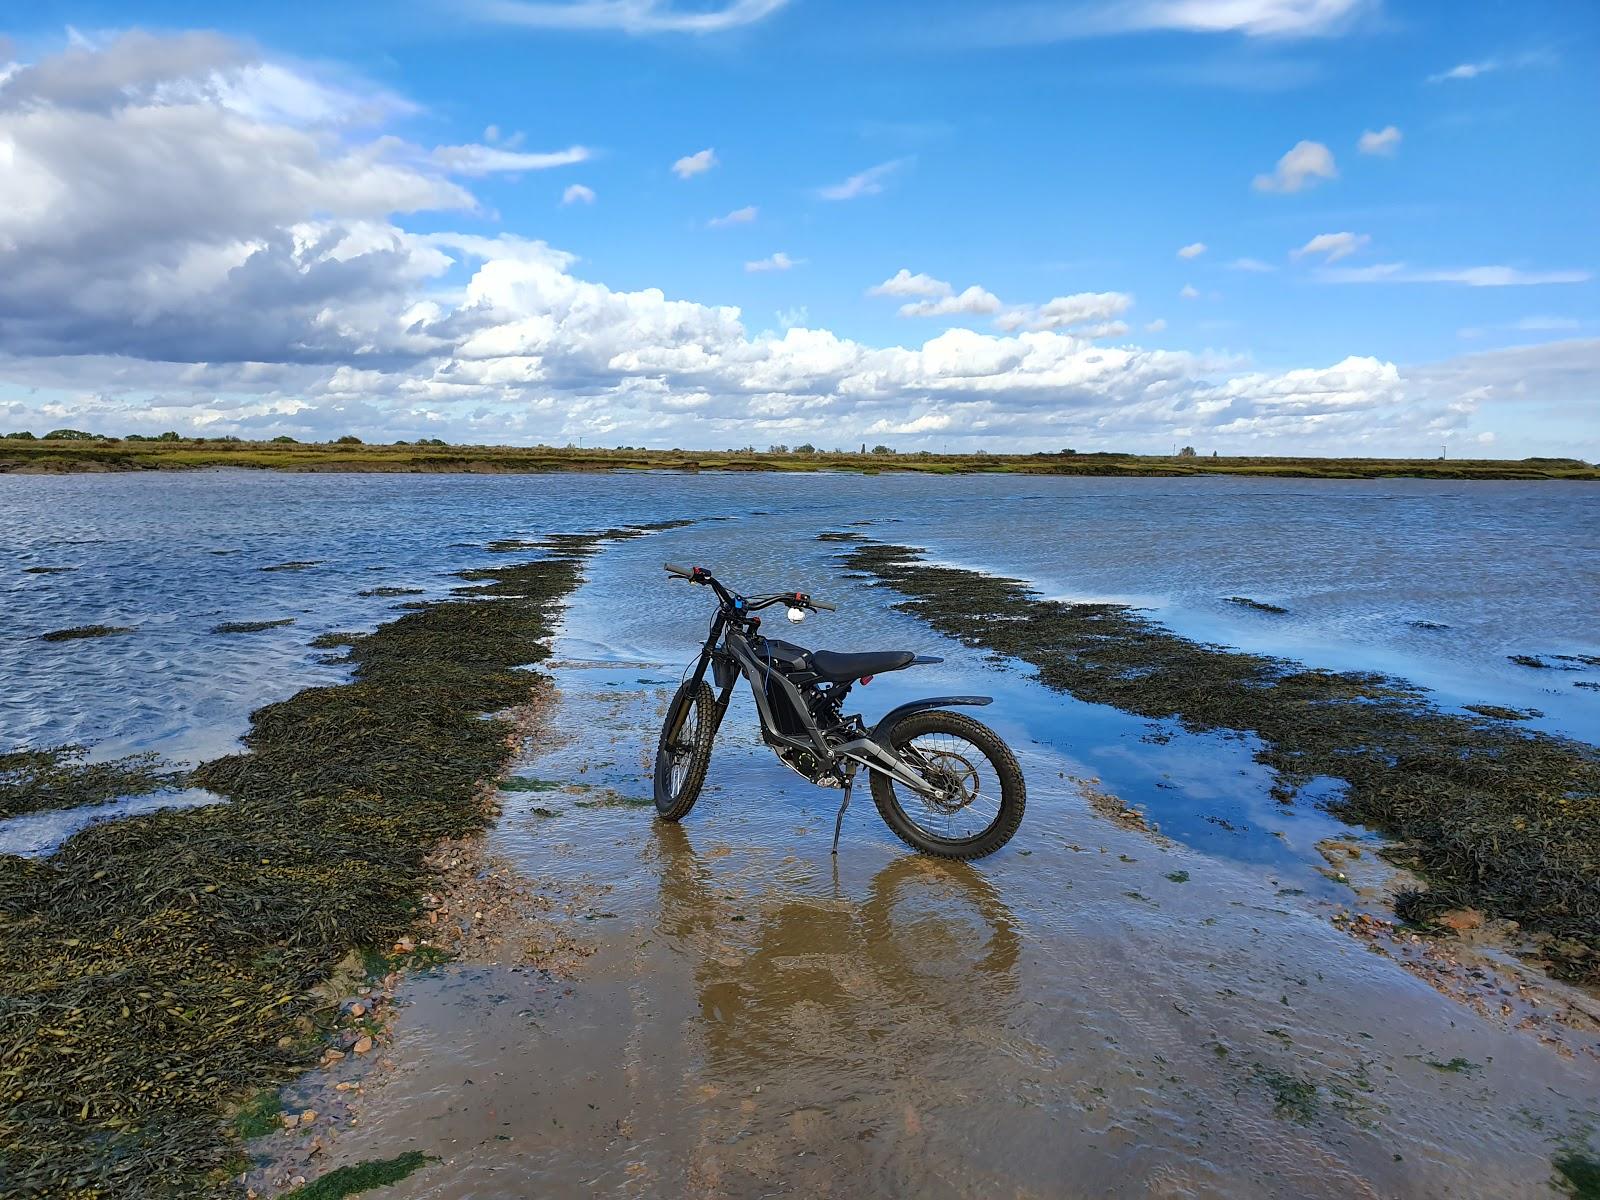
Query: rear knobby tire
x: 893, y: 799
x: 684, y: 751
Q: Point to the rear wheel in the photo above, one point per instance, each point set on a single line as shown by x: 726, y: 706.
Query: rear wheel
x: 684, y: 752
x: 980, y: 797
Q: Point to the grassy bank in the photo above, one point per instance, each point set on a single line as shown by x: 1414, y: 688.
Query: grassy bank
x: 1494, y: 817
x: 158, y: 968
x: 69, y: 455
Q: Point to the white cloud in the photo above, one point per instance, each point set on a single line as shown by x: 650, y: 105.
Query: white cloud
x: 577, y: 193
x: 1254, y: 265
x: 1072, y: 312
x: 1303, y: 166
x: 1281, y: 19
x: 974, y: 301
x: 867, y: 183
x: 1466, y: 70
x: 773, y: 262
x: 1192, y: 250
x: 694, y: 164
x: 904, y: 283
x: 1189, y: 292
x: 169, y: 261
x: 1156, y: 326
x: 1538, y: 324
x: 627, y: 16
x: 1333, y: 246
x: 1496, y: 276
x: 739, y: 216
x: 475, y: 160
x: 1384, y: 142
x: 793, y: 318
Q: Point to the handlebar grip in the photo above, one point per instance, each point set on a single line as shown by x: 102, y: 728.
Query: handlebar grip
x: 675, y: 569
x: 822, y: 604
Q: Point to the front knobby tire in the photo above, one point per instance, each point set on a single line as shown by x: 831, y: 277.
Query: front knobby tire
x: 684, y: 752
x: 971, y: 760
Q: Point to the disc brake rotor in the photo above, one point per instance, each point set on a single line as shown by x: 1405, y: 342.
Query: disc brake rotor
x: 955, y: 778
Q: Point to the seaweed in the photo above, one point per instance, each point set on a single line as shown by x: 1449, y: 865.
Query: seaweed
x: 1495, y: 817
x: 84, y: 631
x: 157, y: 968
x: 389, y: 591
x: 335, y: 639
x: 1257, y: 605
x: 1581, y: 1174
x: 1293, y: 1098
x: 57, y: 777
x: 47, y: 570
x: 361, y: 1177
x: 298, y: 565
x: 251, y: 626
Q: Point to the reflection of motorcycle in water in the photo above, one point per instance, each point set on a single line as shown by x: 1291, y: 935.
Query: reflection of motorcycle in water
x: 837, y: 1031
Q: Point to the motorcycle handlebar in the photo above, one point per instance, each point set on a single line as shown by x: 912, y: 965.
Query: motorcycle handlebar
x: 699, y: 575
x: 822, y: 604
x: 675, y: 569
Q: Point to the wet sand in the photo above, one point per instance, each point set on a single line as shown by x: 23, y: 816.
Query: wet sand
x: 1089, y: 1013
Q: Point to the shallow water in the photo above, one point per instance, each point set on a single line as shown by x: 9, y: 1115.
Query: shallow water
x: 1086, y: 1013
x: 1068, y: 1017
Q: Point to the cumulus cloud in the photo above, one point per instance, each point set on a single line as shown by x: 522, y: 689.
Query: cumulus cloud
x: 476, y: 160
x: 577, y: 193
x: 773, y: 262
x: 739, y: 216
x: 1333, y: 246
x: 1156, y: 326
x: 867, y: 183
x: 1384, y: 142
x: 1189, y: 292
x: 694, y: 164
x: 1254, y: 265
x: 174, y: 257
x: 904, y: 283
x: 1192, y: 250
x: 627, y: 16
x: 974, y: 301
x: 1303, y: 166
x: 1495, y: 276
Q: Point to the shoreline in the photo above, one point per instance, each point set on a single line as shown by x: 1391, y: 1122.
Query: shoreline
x: 89, y: 455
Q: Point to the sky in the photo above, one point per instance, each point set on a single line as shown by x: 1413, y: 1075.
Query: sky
x: 1362, y: 227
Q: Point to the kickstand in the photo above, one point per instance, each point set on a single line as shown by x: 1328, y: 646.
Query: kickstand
x: 838, y: 821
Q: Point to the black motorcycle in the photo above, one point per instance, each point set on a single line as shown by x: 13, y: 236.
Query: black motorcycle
x: 944, y: 783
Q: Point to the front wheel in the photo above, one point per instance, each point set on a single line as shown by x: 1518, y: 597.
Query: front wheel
x: 684, y: 752
x: 981, y: 794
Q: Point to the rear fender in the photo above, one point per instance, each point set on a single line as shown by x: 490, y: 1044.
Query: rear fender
x: 880, y: 731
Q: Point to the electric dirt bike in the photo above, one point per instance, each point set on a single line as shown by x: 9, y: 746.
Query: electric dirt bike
x: 945, y: 784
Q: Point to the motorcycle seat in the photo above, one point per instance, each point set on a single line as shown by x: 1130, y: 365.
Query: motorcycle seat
x: 840, y: 668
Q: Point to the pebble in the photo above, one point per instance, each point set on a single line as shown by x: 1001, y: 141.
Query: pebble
x: 358, y: 1009
x: 364, y: 1045
x: 308, y: 1116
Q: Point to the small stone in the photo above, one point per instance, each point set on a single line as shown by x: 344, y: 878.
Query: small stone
x: 331, y: 1055
x: 364, y: 1045
x: 358, y: 1009
x: 1461, y: 920
x: 285, y: 1041
x: 308, y: 1116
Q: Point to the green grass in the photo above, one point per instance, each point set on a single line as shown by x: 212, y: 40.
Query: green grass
x: 112, y: 454
x: 362, y: 1177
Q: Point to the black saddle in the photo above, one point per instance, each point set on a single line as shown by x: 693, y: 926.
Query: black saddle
x: 841, y: 668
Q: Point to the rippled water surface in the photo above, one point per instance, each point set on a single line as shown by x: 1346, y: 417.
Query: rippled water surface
x: 1089, y: 1012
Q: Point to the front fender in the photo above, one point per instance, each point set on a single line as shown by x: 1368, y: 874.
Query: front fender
x: 880, y: 731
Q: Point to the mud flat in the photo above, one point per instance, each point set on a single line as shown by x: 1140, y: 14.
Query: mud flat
x: 157, y: 971
x: 1495, y: 818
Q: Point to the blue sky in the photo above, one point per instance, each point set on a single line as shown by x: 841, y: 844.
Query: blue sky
x: 1026, y: 151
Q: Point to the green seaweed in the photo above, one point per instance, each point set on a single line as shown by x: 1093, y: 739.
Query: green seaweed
x: 155, y: 968
x: 1495, y: 817
x: 389, y: 591
x: 1257, y: 605
x: 1581, y: 1174
x: 57, y: 777
x: 1456, y: 1066
x: 84, y: 631
x: 361, y: 1177
x: 1293, y: 1098
x: 335, y: 639
x: 251, y: 626
x: 258, y: 1116
x: 298, y: 565
x: 525, y: 783
x: 1178, y: 876
x: 47, y: 570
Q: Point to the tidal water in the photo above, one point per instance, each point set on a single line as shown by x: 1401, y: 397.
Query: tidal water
x: 1087, y: 1012
x: 1438, y: 582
